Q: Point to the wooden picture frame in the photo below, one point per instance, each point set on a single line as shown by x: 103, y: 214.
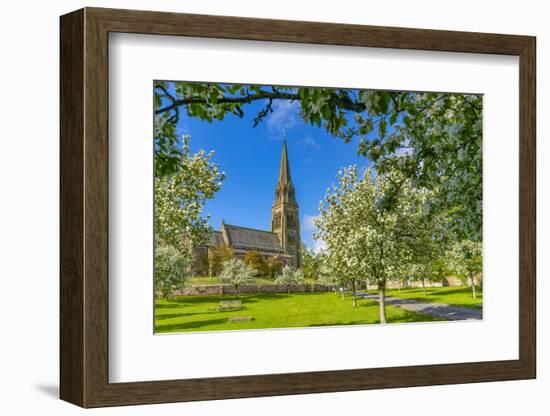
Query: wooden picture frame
x: 84, y: 207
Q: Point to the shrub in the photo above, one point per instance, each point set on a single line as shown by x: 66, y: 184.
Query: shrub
x: 289, y: 277
x: 257, y: 262
x: 237, y: 273
x: 171, y: 269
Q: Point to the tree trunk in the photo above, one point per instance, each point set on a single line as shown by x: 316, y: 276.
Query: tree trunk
x: 382, y: 303
x: 424, y: 286
x: 354, y: 294
x: 288, y: 289
x: 236, y: 291
x: 473, y: 285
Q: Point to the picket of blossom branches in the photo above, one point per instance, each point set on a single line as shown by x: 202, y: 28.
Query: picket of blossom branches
x: 365, y: 239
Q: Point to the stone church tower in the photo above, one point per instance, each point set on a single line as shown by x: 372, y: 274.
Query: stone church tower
x: 285, y: 220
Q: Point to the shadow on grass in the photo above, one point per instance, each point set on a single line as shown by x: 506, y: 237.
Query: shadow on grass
x: 188, y: 325
x: 182, y: 301
x: 164, y: 317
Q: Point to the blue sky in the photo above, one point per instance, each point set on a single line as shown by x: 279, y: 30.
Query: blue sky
x: 250, y: 158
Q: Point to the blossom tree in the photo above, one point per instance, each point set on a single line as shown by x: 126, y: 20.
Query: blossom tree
x: 180, y: 198
x: 237, y: 273
x: 179, y: 201
x: 171, y: 270
x: 365, y: 238
x: 290, y: 277
x: 466, y: 260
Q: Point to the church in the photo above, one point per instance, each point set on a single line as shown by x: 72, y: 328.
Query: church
x: 281, y: 241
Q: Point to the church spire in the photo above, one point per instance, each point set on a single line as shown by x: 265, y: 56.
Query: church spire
x: 284, y: 192
x: 284, y: 170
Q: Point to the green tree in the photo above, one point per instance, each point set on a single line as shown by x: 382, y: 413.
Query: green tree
x: 172, y: 269
x: 290, y: 277
x: 237, y: 273
x: 311, y: 264
x: 257, y: 262
x: 364, y: 237
x: 217, y: 256
x: 466, y: 260
x: 275, y: 266
x: 432, y: 139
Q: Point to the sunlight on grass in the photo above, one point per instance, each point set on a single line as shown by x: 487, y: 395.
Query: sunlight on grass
x: 457, y: 296
x: 201, y: 313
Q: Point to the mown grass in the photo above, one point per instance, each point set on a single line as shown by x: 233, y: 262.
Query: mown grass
x: 200, y: 313
x: 457, y: 296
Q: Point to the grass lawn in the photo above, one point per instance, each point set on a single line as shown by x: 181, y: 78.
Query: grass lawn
x: 458, y: 296
x: 200, y: 313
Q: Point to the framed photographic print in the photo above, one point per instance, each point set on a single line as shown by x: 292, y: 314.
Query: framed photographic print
x: 256, y: 207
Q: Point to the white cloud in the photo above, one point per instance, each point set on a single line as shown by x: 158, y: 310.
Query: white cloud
x: 309, y: 228
x: 284, y: 116
x: 318, y: 246
x: 308, y: 141
x: 308, y: 223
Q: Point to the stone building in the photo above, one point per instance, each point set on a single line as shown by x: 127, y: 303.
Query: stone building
x: 281, y: 241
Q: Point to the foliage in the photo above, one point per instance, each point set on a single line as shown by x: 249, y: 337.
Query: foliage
x: 237, y: 273
x: 273, y: 310
x: 217, y: 256
x: 432, y: 139
x: 290, y: 277
x: 465, y: 259
x: 365, y: 239
x: 311, y: 263
x: 180, y: 198
x: 257, y: 262
x: 275, y: 266
x: 171, y: 270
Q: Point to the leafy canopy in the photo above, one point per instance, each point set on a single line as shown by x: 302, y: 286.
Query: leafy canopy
x: 433, y: 139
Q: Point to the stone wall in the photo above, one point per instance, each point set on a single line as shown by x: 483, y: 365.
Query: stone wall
x: 201, y: 290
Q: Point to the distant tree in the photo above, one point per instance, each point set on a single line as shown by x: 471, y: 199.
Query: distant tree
x: 217, y: 256
x: 275, y: 266
x: 257, y: 262
x: 237, y: 273
x: 172, y: 269
x: 290, y: 277
x: 311, y: 264
x: 466, y: 260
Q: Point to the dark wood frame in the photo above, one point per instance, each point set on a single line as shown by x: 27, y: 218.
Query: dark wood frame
x: 84, y: 207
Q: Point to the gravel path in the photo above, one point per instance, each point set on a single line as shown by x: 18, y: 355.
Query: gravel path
x: 439, y: 310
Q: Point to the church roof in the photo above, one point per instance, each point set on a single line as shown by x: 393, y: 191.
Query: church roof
x: 216, y: 239
x: 252, y: 239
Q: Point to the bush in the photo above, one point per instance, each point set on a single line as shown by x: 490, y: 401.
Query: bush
x: 237, y: 273
x: 289, y: 277
x: 217, y: 256
x: 257, y: 262
x: 171, y: 270
x: 275, y: 266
